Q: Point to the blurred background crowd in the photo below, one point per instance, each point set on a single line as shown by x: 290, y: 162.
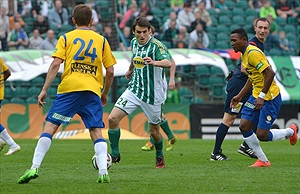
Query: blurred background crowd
x: 192, y: 24
x: 37, y: 24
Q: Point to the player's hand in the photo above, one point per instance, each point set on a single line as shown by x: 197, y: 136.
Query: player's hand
x: 234, y: 101
x: 104, y: 98
x: 128, y: 74
x: 229, y: 75
x: 148, y: 61
x: 41, y: 98
x: 171, y: 85
x: 259, y: 103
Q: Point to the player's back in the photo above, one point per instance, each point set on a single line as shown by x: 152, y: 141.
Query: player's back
x: 85, y: 46
x: 84, y: 52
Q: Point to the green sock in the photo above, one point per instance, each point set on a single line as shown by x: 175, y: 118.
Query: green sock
x: 159, y: 147
x: 165, y: 127
x: 114, y: 137
x: 152, y: 140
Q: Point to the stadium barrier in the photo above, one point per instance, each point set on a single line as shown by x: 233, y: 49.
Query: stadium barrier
x: 186, y: 121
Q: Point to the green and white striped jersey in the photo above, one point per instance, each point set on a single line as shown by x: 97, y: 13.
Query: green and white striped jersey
x: 148, y: 83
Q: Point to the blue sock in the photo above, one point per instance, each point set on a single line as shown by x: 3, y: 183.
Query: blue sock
x: 1, y: 128
x: 220, y: 136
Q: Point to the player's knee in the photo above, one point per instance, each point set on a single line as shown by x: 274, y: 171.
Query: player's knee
x: 112, y: 120
x: 154, y: 129
x: 262, y: 136
x: 243, y: 127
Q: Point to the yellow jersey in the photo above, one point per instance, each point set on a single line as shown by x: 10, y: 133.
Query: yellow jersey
x: 84, y: 52
x: 255, y: 62
x: 3, y: 68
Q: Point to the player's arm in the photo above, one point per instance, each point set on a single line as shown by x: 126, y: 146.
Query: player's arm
x: 109, y: 78
x: 262, y: 65
x: 243, y: 70
x: 236, y: 99
x: 129, y: 72
x: 268, y: 74
x: 6, y: 74
x: 172, y: 75
x: 247, y: 87
x: 51, y: 74
x: 165, y: 63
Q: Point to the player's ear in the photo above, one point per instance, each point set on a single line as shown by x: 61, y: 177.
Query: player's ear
x: 91, y: 21
x: 73, y: 20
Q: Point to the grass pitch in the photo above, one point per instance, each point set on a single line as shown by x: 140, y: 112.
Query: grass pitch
x: 67, y: 168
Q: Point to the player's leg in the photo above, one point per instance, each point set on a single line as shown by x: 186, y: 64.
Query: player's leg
x: 114, y: 133
x: 154, y: 115
x: 2, y: 144
x: 158, y: 143
x: 171, y: 137
x: 250, y: 116
x: 233, y: 87
x: 222, y: 130
x: 40, y: 151
x: 100, y: 148
x: 13, y: 146
x: 122, y: 107
x: 92, y: 115
x: 245, y: 149
x: 62, y: 110
x: 268, y: 115
x: 6, y: 139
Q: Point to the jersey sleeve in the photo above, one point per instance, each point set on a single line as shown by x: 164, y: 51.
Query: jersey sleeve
x: 4, y: 66
x: 162, y: 52
x: 60, y: 49
x: 108, y: 57
x: 258, y: 60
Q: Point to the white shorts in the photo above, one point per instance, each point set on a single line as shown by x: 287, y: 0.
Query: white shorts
x: 128, y: 102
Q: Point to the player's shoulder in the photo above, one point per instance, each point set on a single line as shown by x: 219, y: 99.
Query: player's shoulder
x: 158, y: 43
x: 133, y: 40
x: 253, y: 50
x: 87, y: 34
x: 256, y: 42
x: 154, y: 41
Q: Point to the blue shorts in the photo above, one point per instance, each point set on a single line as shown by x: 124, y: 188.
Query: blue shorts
x: 86, y: 104
x: 264, y: 117
x: 234, y: 86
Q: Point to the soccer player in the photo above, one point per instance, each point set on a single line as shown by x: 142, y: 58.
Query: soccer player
x: 164, y: 124
x: 4, y: 136
x: 234, y: 85
x: 146, y: 89
x: 83, y: 52
x: 263, y: 105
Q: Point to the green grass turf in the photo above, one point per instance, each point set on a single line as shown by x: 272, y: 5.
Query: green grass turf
x: 67, y: 168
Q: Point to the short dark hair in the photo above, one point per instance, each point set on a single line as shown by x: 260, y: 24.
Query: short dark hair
x: 241, y: 33
x: 82, y: 14
x: 263, y: 20
x: 152, y: 28
x: 141, y: 21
